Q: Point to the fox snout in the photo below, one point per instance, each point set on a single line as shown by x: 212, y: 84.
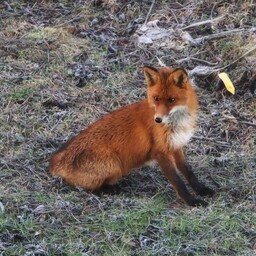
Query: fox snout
x: 161, y: 112
x: 161, y: 119
x: 176, y: 116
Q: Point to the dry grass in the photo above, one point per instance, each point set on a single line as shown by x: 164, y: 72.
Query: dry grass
x: 65, y: 64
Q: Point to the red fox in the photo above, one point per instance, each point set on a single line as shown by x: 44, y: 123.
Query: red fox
x: 156, y: 128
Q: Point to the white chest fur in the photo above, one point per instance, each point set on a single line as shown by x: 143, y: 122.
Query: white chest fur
x: 181, y: 124
x: 179, y: 138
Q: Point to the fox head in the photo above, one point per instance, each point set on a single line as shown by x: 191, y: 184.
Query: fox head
x: 171, y: 94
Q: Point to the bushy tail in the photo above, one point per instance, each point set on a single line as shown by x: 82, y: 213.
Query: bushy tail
x: 57, y: 165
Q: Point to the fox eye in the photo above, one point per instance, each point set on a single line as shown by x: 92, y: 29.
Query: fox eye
x: 156, y: 98
x: 171, y: 100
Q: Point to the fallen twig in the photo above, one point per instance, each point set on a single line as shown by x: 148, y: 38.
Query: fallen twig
x: 243, y: 55
x: 247, y: 123
x: 150, y: 9
x: 205, y: 70
x: 221, y: 143
x: 221, y: 34
x: 204, y: 22
x: 196, y: 60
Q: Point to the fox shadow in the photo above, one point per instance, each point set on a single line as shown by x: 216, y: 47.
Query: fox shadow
x: 144, y: 181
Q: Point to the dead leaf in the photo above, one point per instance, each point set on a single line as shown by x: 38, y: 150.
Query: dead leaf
x: 227, y: 82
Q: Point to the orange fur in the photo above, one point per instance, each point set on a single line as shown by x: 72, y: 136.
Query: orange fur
x: 154, y: 129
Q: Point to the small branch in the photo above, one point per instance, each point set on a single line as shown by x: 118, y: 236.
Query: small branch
x: 247, y: 123
x: 203, y: 62
x: 205, y: 70
x: 174, y: 15
x: 151, y: 7
x: 200, y: 23
x: 246, y: 53
x: 221, y: 34
x: 221, y: 143
x: 160, y: 62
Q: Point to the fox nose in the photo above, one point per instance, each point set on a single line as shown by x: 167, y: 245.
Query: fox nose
x: 158, y: 119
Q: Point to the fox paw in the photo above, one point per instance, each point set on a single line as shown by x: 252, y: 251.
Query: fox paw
x: 205, y: 191
x: 197, y: 202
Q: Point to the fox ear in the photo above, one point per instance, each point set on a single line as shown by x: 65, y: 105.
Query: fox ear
x: 180, y: 77
x: 151, y: 75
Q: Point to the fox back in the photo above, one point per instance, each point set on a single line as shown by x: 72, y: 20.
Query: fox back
x: 154, y: 129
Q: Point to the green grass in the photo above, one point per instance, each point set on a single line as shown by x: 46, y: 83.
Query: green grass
x: 214, y: 231
x: 22, y: 94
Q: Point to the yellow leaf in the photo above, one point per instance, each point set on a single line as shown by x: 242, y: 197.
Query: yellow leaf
x: 227, y: 82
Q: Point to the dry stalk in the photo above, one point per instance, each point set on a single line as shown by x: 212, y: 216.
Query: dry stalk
x: 205, y: 70
x: 150, y: 10
x: 200, y: 23
x: 221, y: 34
